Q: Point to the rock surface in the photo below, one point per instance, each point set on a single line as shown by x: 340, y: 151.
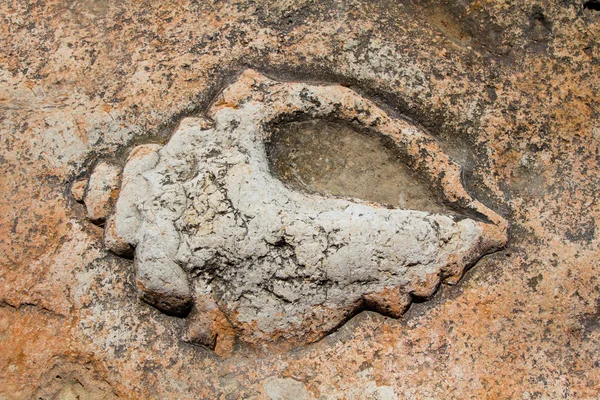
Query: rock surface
x: 101, y: 193
x: 508, y: 89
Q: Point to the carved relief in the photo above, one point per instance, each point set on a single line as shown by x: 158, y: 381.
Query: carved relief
x: 216, y: 237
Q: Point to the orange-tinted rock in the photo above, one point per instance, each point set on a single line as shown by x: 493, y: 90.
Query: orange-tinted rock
x: 508, y: 89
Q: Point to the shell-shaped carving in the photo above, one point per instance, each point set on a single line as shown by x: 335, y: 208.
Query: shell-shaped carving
x: 213, y: 231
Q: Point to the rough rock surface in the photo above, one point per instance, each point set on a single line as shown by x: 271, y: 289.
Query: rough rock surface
x: 284, y: 264
x: 509, y: 89
x: 101, y: 193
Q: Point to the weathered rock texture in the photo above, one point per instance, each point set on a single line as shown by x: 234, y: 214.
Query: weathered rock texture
x: 205, y: 211
x: 509, y: 89
x: 101, y: 193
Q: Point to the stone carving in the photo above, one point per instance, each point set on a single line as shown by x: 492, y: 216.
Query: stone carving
x: 213, y: 232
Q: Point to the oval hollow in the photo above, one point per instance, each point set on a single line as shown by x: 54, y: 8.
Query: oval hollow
x: 333, y: 158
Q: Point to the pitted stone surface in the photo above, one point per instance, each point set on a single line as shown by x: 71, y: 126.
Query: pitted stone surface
x: 205, y: 214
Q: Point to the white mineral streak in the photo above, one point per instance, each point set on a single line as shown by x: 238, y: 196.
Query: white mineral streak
x: 282, y: 264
